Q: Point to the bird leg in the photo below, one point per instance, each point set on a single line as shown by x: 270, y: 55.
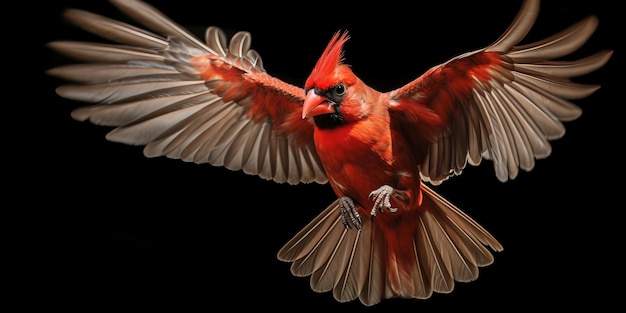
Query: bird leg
x: 382, y: 198
x: 349, y: 215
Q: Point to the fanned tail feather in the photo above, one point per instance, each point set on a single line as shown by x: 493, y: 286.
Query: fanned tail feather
x: 445, y: 245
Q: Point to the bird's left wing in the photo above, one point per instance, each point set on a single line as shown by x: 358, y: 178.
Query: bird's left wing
x: 504, y: 102
x: 204, y: 102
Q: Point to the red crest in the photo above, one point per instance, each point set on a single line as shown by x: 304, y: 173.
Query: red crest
x: 330, y: 59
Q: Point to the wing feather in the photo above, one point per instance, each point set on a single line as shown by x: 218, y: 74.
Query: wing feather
x: 115, y: 30
x: 216, y: 40
x: 519, y: 28
x: 145, y: 132
x: 240, y: 44
x: 94, y: 73
x: 204, y: 102
x: 557, y: 45
x: 503, y: 103
x: 100, y: 52
x: 153, y: 19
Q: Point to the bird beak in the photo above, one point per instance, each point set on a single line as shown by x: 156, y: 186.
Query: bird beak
x: 315, y: 104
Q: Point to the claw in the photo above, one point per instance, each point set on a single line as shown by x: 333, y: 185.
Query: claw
x: 349, y: 214
x: 382, y: 199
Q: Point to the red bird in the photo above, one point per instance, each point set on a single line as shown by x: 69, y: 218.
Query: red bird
x: 388, y: 234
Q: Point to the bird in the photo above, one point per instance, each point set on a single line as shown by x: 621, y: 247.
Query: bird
x: 388, y: 234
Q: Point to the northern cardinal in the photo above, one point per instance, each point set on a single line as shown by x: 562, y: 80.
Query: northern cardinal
x: 388, y: 234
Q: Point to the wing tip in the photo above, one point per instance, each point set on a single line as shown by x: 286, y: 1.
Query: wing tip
x: 519, y: 27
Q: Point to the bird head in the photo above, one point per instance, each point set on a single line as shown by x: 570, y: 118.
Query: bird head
x: 328, y: 85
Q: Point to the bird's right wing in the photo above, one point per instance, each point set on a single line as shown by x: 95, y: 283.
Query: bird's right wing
x: 203, y: 102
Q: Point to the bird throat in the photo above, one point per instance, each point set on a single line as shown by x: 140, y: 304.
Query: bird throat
x: 329, y: 121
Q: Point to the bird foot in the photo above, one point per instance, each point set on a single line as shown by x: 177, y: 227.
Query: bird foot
x: 349, y: 215
x: 382, y: 199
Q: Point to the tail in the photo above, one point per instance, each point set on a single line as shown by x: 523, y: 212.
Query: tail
x: 427, y: 253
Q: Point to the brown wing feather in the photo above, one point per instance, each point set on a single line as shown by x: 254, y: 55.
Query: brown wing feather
x: 200, y: 102
x: 503, y: 103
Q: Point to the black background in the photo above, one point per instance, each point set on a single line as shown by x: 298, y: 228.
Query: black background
x: 123, y: 231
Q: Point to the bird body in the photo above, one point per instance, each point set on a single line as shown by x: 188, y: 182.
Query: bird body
x: 388, y: 234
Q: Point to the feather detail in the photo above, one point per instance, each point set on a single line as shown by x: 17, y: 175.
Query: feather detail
x: 159, y: 23
x: 97, y: 73
x: 557, y: 45
x: 114, y: 30
x: 565, y: 69
x: 111, y: 93
x: 184, y: 99
x: 216, y: 40
x: 446, y: 246
x: 330, y: 59
x: 97, y: 52
x: 240, y: 44
x: 519, y: 28
x: 503, y: 103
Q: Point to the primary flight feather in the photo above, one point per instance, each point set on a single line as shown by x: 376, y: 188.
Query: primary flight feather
x: 388, y: 234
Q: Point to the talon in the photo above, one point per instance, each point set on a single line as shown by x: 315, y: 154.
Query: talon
x: 373, y: 212
x: 344, y: 221
x: 382, y: 199
x: 349, y: 214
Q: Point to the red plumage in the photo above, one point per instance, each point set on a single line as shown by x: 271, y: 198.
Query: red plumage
x: 388, y: 234
x: 328, y: 63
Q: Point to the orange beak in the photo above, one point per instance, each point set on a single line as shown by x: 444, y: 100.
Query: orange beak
x: 315, y: 104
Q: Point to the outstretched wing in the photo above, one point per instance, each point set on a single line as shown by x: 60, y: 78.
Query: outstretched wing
x: 504, y: 102
x: 204, y: 102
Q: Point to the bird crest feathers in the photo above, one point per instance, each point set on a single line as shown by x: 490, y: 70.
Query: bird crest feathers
x: 330, y: 59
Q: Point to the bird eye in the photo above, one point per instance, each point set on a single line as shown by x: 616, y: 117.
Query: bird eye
x: 340, y: 89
